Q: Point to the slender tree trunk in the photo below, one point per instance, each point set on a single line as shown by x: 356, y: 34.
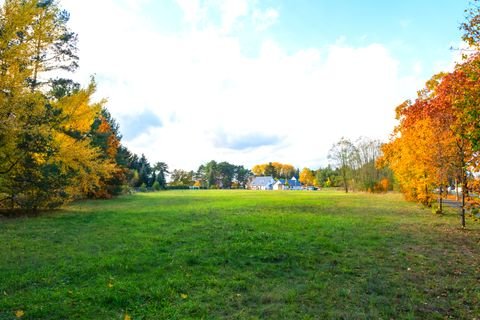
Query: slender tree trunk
x: 464, y: 190
x: 344, y: 174
x: 463, y: 208
x: 456, y: 189
x: 440, y: 199
x: 36, y: 65
x: 427, y: 197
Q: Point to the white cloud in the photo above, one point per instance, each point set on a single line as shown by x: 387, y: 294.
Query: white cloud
x: 192, y: 12
x: 265, y: 19
x: 200, y: 85
x: 231, y: 10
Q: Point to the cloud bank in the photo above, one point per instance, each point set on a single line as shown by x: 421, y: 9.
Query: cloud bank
x: 202, y: 95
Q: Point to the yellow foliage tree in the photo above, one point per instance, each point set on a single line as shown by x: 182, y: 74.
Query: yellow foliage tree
x: 46, y: 154
x: 307, y: 177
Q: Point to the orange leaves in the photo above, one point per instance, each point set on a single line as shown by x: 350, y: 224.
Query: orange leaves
x: 433, y: 142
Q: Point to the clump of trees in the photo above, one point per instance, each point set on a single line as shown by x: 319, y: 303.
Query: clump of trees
x: 211, y: 175
x: 141, y: 175
x: 436, y: 143
x: 221, y: 175
x: 56, y: 144
x: 47, y: 150
x: 356, y: 165
x: 276, y: 170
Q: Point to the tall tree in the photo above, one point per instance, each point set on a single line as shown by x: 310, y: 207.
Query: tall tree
x: 242, y: 175
x: 161, y: 170
x: 46, y: 155
x: 342, y: 156
x: 270, y: 170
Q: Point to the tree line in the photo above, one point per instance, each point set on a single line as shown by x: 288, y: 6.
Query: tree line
x: 352, y: 167
x: 437, y: 141
x: 356, y: 165
x: 212, y: 175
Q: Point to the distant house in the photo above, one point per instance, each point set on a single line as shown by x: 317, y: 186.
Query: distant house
x: 283, y: 184
x: 268, y: 183
x: 262, y: 183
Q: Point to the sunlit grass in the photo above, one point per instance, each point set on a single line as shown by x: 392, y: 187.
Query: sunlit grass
x: 240, y: 255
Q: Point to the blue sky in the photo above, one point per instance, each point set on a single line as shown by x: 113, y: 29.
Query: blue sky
x: 413, y: 30
x: 249, y: 81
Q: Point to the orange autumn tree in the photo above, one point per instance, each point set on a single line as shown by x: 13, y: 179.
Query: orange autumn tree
x: 459, y: 93
x: 421, y: 148
x: 435, y: 140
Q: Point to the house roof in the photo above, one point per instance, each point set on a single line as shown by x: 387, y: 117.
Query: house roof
x: 263, y: 181
x: 294, y: 183
x: 291, y: 182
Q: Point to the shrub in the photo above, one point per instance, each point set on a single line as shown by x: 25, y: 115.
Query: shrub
x: 156, y: 186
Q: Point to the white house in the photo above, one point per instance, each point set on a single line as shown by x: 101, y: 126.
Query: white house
x: 283, y: 184
x: 268, y: 183
x: 262, y: 183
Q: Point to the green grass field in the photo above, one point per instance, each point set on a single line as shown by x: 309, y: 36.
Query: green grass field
x: 240, y: 255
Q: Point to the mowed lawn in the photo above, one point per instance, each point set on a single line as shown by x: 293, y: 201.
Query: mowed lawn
x: 240, y: 255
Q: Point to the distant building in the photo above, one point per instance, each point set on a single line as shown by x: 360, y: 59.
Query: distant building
x: 284, y: 184
x: 268, y: 183
x: 262, y: 183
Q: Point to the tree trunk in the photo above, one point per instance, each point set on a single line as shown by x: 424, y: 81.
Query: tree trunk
x: 464, y: 191
x: 344, y: 174
x: 463, y: 208
x: 456, y: 189
x: 440, y: 199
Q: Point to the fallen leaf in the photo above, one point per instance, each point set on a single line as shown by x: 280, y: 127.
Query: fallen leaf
x: 19, y: 313
x: 183, y: 296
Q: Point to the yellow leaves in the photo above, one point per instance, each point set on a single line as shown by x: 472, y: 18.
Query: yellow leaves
x: 127, y: 317
x: 306, y: 177
x: 110, y: 285
x: 281, y: 169
x: 79, y: 156
x: 19, y: 313
x: 259, y: 169
x: 38, y: 158
x: 183, y: 296
x: 78, y: 111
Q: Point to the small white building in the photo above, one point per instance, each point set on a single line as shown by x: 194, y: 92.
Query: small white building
x: 284, y: 184
x: 262, y: 183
